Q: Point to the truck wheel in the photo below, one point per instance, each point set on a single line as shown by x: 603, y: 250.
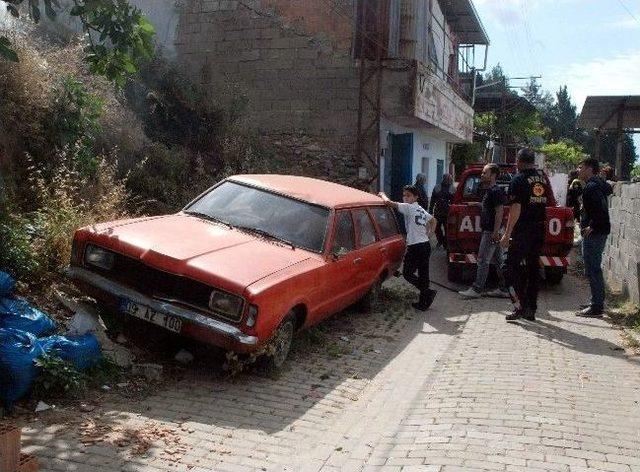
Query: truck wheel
x: 281, y: 345
x: 553, y: 275
x: 371, y: 298
x: 455, y: 272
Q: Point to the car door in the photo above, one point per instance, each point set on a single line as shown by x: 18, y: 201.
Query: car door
x: 391, y: 244
x: 340, y: 288
x: 369, y: 250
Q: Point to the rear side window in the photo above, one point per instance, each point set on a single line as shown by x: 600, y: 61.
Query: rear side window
x: 344, y: 240
x: 366, y: 228
x: 386, y: 221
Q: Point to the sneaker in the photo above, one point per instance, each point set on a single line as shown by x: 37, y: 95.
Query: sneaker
x: 516, y: 315
x: 431, y: 296
x: 470, y: 293
x: 419, y: 306
x: 529, y: 315
x: 497, y: 293
x: 590, y: 313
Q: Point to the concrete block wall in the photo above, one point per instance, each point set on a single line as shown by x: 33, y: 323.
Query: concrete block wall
x: 293, y: 81
x: 621, y: 260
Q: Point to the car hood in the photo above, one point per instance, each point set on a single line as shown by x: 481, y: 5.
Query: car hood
x: 206, y: 251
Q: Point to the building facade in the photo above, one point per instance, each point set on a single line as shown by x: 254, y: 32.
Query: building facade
x: 296, y: 62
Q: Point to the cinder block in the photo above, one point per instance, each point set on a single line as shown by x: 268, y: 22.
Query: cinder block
x: 9, y: 447
x: 28, y: 463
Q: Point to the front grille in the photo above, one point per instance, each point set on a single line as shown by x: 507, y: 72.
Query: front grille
x: 160, y: 285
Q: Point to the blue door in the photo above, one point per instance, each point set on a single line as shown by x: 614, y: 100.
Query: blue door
x: 401, y: 160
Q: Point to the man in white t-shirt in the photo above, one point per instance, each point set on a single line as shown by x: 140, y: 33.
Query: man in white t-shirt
x: 419, y: 224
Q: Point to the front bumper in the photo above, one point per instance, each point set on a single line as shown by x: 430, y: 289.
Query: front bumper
x: 545, y: 261
x: 195, y: 324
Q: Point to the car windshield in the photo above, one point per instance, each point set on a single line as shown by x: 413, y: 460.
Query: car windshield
x: 301, y: 224
x: 473, y: 190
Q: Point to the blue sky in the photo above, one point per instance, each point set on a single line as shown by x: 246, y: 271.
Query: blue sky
x: 592, y: 46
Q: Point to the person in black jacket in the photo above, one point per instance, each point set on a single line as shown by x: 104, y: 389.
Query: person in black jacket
x: 439, y: 206
x: 423, y: 200
x: 524, y: 235
x: 595, y: 227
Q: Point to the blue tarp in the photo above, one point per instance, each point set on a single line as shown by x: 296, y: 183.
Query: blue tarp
x: 18, y: 314
x: 21, y: 326
x: 82, y: 351
x: 18, y: 351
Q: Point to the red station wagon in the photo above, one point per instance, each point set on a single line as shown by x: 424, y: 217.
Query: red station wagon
x: 249, y: 262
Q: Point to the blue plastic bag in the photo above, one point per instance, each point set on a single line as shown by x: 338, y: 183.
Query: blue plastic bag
x: 18, y: 371
x: 18, y: 314
x: 82, y: 351
x: 7, y: 284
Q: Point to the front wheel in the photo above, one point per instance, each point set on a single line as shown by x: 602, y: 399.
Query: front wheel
x: 280, y: 345
x: 455, y: 272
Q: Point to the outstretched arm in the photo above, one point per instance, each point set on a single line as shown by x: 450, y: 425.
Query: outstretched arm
x: 387, y: 201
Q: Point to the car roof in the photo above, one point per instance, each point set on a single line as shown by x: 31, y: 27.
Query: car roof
x: 316, y: 191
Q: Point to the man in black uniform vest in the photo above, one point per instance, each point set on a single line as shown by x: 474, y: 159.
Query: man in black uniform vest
x: 524, y: 235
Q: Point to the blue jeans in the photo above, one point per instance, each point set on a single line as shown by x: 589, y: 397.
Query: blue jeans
x: 487, y: 253
x: 592, y: 249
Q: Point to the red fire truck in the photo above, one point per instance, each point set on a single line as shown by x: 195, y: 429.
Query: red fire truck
x: 463, y: 228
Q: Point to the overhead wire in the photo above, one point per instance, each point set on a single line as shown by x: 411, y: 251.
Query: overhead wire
x: 629, y: 11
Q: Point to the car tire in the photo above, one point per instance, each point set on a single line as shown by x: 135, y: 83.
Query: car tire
x: 553, y: 275
x: 455, y: 272
x: 282, y: 340
x: 371, y: 298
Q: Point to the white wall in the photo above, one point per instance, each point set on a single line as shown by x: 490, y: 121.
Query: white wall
x: 425, y: 145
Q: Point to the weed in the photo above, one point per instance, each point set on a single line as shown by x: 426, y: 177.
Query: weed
x: 58, y: 378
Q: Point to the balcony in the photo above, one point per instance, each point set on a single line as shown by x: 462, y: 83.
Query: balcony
x: 416, y: 96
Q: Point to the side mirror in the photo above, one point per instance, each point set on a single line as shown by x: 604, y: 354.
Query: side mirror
x: 339, y: 253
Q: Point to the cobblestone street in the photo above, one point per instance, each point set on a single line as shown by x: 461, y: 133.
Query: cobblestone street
x: 455, y: 388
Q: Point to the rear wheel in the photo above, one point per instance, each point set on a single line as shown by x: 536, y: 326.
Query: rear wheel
x: 371, y: 298
x: 553, y: 275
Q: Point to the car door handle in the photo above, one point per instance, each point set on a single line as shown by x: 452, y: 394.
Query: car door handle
x: 357, y: 261
x: 383, y: 249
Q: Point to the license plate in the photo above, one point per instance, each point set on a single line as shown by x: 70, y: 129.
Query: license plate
x: 172, y: 323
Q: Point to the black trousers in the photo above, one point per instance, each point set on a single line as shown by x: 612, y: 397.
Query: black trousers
x: 417, y: 260
x: 524, y: 282
x: 441, y: 234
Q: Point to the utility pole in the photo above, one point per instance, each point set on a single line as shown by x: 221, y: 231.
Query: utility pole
x: 370, y: 53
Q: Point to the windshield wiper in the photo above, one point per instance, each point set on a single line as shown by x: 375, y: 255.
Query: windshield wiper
x: 204, y: 216
x: 265, y: 234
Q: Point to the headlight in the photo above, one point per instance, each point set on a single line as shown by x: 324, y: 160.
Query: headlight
x: 226, y: 304
x: 98, y: 257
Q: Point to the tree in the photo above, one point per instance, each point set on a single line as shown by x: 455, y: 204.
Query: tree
x: 564, y: 154
x: 541, y: 99
x: 563, y: 116
x: 119, y: 36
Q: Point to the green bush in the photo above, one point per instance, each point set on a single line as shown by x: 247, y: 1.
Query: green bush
x: 16, y: 253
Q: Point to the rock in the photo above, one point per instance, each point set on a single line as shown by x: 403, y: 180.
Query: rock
x: 184, y: 357
x: 86, y: 320
x: 152, y: 372
x: 42, y: 406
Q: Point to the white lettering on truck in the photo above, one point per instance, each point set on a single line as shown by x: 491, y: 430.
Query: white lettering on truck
x: 467, y: 225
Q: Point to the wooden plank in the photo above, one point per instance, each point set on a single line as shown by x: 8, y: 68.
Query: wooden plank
x: 9, y: 447
x: 28, y: 463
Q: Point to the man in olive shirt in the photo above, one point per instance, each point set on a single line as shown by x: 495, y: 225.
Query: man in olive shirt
x: 524, y: 235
